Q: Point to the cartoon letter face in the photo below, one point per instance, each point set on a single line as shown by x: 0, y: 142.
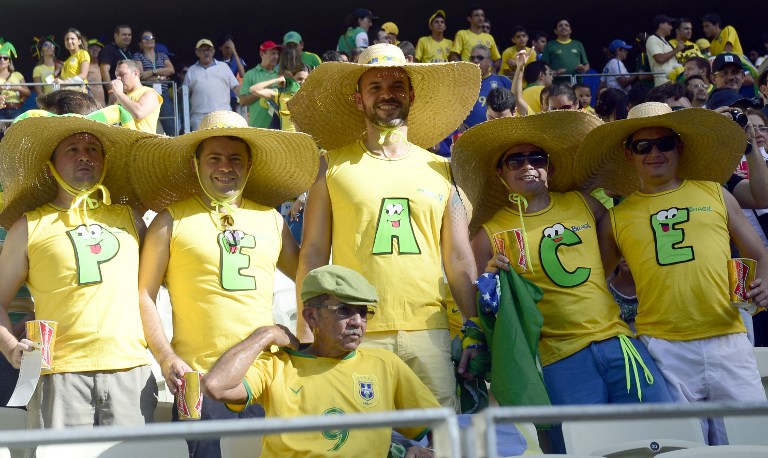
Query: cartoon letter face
x: 553, y: 238
x: 395, y: 223
x: 668, y: 236
x: 94, y: 245
x: 233, y: 260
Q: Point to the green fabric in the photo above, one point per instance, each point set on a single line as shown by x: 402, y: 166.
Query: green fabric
x: 258, y: 111
x: 473, y: 394
x: 347, y: 41
x: 513, y: 341
x: 309, y: 59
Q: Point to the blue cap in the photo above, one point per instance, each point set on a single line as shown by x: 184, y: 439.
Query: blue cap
x: 159, y: 47
x: 616, y: 44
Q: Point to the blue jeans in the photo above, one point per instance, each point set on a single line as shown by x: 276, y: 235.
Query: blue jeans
x: 167, y: 119
x: 596, y: 375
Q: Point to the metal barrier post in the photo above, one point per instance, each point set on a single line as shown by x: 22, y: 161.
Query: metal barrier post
x: 185, y: 107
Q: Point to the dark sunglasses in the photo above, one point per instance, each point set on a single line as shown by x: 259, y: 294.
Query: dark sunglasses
x: 663, y: 144
x: 5, y: 58
x: 537, y: 159
x: 348, y: 311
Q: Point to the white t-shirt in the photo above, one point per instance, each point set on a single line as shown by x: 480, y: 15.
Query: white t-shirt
x: 657, y: 45
x: 615, y: 66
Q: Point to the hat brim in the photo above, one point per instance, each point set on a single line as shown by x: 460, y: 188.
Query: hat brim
x: 284, y: 165
x: 713, y: 147
x: 29, y: 144
x: 476, y: 153
x: 325, y: 108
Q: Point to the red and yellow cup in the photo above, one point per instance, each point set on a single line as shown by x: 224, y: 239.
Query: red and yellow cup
x: 189, y: 401
x: 43, y: 334
x: 741, y: 272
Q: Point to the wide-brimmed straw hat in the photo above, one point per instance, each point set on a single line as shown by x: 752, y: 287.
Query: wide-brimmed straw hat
x: 28, y: 145
x: 284, y: 164
x: 475, y: 155
x: 713, y: 147
x: 444, y: 94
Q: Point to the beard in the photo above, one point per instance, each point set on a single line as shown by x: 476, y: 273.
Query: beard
x: 396, y: 120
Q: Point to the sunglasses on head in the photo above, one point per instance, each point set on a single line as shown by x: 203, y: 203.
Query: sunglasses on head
x: 663, y: 144
x: 537, y: 159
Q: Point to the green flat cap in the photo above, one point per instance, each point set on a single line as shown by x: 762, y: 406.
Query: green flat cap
x: 347, y: 285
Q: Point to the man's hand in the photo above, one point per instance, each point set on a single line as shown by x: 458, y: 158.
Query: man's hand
x: 174, y: 369
x: 282, y: 337
x: 296, y: 207
x: 117, y: 86
x: 758, y: 293
x: 497, y: 262
x: 419, y: 452
x: 466, y: 356
x: 22, y: 346
x: 581, y: 68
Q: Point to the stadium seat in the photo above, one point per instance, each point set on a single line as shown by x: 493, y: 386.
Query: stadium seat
x: 746, y: 430
x: 241, y: 446
x: 640, y: 437
x: 167, y: 448
x: 729, y: 451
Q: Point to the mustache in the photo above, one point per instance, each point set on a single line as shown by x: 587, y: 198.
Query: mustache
x: 392, y: 100
x: 353, y: 332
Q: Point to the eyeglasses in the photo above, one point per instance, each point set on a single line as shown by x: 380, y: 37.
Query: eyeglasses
x: 148, y: 38
x: 698, y: 86
x: 5, y: 58
x: 663, y: 144
x: 348, y: 311
x: 476, y: 58
x: 762, y: 129
x: 537, y: 159
x: 730, y: 72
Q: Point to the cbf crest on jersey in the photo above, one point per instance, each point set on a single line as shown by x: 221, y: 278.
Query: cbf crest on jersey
x: 366, y: 387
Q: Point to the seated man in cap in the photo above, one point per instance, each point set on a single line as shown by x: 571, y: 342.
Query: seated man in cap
x: 674, y: 230
x: 313, y: 380
x: 78, y: 254
x: 530, y: 218
x: 216, y: 241
x: 385, y: 205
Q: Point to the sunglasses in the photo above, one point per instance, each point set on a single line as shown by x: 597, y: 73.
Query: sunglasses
x: 476, y: 58
x: 147, y: 38
x: 537, y: 160
x: 47, y: 44
x: 5, y: 58
x: 663, y: 144
x: 348, y: 311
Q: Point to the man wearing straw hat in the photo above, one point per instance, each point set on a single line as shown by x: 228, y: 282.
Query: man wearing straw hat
x: 74, y: 240
x: 216, y: 241
x: 530, y: 218
x: 386, y: 205
x: 314, y: 380
x: 674, y: 230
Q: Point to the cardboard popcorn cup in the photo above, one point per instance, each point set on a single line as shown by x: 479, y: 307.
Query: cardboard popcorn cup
x: 741, y: 272
x: 189, y: 401
x: 43, y: 334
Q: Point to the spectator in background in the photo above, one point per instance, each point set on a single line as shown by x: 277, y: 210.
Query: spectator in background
x: 539, y: 42
x: 519, y: 43
x: 74, y: 70
x: 584, y: 95
x: 46, y: 51
x: 704, y: 47
x: 94, y: 71
x: 727, y: 71
x: 619, y: 50
x: 259, y: 112
x: 721, y: 39
x: 611, y: 105
x: 356, y: 30
x: 229, y: 55
x: 696, y: 89
x: 538, y: 76
x: 156, y: 66
x: 142, y: 102
x: 408, y: 50
x: 500, y: 103
x: 209, y: 82
x: 276, y: 92
x: 762, y: 84
x: 642, y: 61
x: 683, y: 34
x: 13, y: 90
x: 331, y: 56
x: 564, y: 55
x: 673, y: 94
x: 562, y: 97
x: 114, y: 53
x: 482, y: 57
x: 698, y: 66
x: 435, y: 47
x: 392, y: 32
x: 661, y: 54
x: 466, y: 39
x: 378, y: 35
x: 637, y: 95
x: 293, y: 39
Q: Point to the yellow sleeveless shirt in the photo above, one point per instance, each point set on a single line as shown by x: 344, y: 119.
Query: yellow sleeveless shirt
x: 149, y: 123
x: 220, y: 291
x: 387, y: 215
x: 566, y: 265
x: 85, y: 277
x: 676, y: 244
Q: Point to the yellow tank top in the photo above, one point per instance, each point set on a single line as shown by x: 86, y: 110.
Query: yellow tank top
x: 85, y: 277
x: 149, y: 123
x: 220, y: 291
x: 566, y: 265
x: 387, y: 216
x: 676, y: 244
